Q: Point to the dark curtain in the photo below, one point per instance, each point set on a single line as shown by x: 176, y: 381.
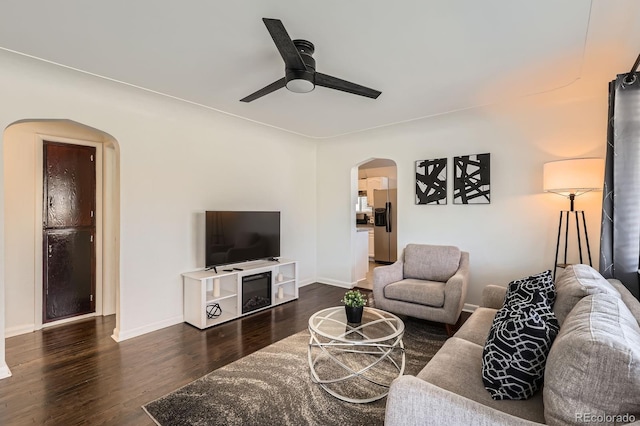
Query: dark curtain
x: 620, y: 233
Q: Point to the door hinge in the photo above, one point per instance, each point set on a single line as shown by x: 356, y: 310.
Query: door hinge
x: 92, y: 238
x: 91, y: 213
x: 91, y: 157
x: 91, y: 298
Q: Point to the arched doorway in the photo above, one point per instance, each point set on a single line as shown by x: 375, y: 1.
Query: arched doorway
x: 24, y: 253
x: 375, y: 195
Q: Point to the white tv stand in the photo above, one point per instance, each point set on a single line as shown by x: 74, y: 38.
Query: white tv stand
x: 203, y: 288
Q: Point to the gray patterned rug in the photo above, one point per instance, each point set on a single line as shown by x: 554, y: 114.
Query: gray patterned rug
x: 273, y: 387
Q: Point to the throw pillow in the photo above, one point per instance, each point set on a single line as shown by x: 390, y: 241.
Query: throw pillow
x: 515, y: 354
x: 536, y: 290
x: 523, y: 290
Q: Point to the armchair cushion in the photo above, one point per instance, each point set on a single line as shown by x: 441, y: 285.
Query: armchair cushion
x: 431, y: 263
x: 428, y: 293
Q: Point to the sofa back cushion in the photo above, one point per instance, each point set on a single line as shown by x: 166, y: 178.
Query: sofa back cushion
x: 576, y: 282
x: 429, y: 262
x: 593, y: 367
x: 629, y: 299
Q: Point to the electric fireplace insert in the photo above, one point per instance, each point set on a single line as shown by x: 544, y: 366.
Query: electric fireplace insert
x: 256, y: 292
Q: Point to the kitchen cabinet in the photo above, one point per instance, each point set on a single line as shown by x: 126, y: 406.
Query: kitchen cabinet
x: 362, y: 184
x: 372, y: 244
x: 374, y: 183
x: 362, y: 259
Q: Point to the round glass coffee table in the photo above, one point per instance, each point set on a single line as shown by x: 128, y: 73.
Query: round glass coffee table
x: 356, y: 362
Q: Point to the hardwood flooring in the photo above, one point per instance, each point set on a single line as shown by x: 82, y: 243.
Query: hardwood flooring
x: 76, y: 374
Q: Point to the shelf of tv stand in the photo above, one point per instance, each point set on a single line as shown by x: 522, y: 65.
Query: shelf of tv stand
x: 223, y: 295
x: 198, y: 290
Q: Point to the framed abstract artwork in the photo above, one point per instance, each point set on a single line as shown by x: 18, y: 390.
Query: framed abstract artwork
x: 431, y: 181
x: 472, y: 179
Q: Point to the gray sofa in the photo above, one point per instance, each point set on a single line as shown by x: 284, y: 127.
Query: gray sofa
x: 592, y: 373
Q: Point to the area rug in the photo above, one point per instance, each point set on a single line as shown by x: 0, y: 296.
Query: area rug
x: 273, y: 387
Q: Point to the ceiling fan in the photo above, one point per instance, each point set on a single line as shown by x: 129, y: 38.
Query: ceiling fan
x: 300, y: 68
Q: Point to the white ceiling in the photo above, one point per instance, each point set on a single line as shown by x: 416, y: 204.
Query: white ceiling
x: 428, y: 57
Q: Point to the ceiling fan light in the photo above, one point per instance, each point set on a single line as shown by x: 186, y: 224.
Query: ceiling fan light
x: 300, y: 85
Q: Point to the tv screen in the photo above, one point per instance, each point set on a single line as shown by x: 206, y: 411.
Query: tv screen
x: 233, y: 237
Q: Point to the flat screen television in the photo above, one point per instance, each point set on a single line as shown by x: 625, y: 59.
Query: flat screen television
x: 241, y: 236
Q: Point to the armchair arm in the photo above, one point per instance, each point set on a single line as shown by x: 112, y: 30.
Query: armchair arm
x: 412, y: 401
x: 383, y: 275
x: 455, y: 290
x: 493, y: 296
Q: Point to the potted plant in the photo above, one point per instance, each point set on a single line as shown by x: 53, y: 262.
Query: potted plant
x: 354, y: 302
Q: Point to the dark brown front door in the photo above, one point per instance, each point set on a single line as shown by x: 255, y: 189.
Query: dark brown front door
x: 68, y: 230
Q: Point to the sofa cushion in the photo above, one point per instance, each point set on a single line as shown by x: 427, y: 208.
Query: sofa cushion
x: 515, y: 354
x: 428, y: 293
x: 431, y: 263
x: 476, y: 328
x: 629, y: 299
x: 457, y: 367
x: 594, y: 365
x: 576, y: 282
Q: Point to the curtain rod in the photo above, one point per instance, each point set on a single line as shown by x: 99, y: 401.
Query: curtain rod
x: 629, y: 78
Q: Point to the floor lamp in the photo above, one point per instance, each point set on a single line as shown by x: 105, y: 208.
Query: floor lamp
x: 571, y: 178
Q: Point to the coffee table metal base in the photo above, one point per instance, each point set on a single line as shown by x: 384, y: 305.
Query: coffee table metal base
x: 354, y: 359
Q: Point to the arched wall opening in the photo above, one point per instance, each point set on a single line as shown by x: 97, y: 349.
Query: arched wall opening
x: 369, y: 175
x: 23, y: 177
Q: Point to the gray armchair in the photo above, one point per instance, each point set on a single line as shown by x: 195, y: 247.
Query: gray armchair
x: 427, y: 282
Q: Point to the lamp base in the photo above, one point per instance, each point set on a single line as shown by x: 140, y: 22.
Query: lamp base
x: 566, y: 214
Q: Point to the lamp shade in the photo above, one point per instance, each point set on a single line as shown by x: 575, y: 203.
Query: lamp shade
x: 575, y: 176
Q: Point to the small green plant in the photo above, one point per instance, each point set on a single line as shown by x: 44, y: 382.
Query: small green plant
x: 354, y: 298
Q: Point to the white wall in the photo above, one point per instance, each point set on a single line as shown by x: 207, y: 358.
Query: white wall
x: 176, y: 160
x: 510, y: 238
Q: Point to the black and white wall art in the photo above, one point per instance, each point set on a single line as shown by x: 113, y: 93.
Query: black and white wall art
x: 431, y: 181
x: 472, y: 180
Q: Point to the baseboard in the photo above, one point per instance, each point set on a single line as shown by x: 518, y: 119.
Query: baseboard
x: 306, y: 282
x: 21, y: 329
x: 335, y: 283
x: 120, y: 335
x: 4, y: 371
x: 468, y: 307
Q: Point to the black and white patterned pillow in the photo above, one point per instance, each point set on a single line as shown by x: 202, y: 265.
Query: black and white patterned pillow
x: 536, y: 290
x: 521, y: 335
x: 514, y: 357
x: 521, y: 291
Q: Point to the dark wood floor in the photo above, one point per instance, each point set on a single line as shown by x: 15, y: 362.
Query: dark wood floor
x: 76, y: 374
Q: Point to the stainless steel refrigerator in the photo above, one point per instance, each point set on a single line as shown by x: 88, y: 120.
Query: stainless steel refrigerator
x: 385, y: 225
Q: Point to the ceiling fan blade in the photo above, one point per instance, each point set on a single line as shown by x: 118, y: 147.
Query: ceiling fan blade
x: 346, y: 86
x: 278, y: 84
x: 287, y: 49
